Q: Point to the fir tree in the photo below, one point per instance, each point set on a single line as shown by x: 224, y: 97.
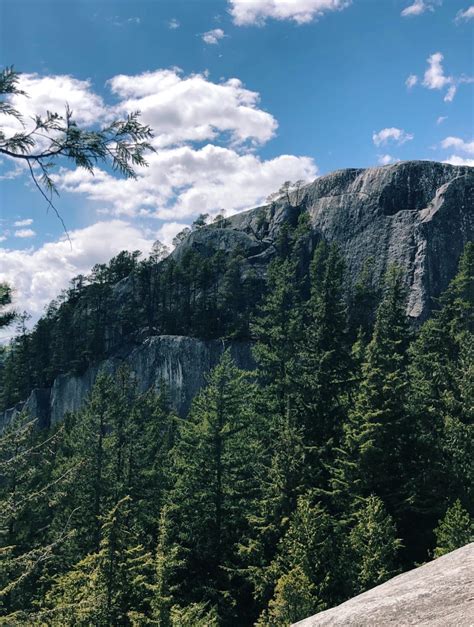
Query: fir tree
x: 454, y: 531
x: 373, y: 455
x: 214, y: 465
x: 374, y: 545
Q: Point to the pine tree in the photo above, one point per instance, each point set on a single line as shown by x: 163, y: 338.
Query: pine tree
x: 314, y: 544
x: 374, y: 546
x: 440, y: 403
x: 107, y: 587
x: 214, y: 465
x: 324, y: 370
x: 294, y: 600
x: 454, y: 531
x: 372, y: 459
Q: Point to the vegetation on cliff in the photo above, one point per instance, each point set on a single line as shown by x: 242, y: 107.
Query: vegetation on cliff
x: 345, y: 458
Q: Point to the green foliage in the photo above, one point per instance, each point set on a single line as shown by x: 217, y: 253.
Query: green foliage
x: 214, y: 464
x: 293, y: 601
x: 6, y: 317
x: 122, y: 143
x: 374, y: 545
x: 454, y: 531
x: 333, y: 467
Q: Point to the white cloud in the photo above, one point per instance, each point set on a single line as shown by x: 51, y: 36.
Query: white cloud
x: 455, y: 160
x: 51, y: 93
x: 449, y: 97
x: 458, y: 144
x: 206, y: 137
x: 24, y: 233
x: 435, y: 77
x: 397, y: 135
x: 3, y: 238
x: 441, y: 119
x: 193, y: 108
x: 417, y: 8
x: 256, y: 12
x: 411, y: 81
x: 386, y: 159
x: 184, y: 181
x: 213, y: 36
x: 39, y: 274
x: 466, y: 15
x: 25, y: 222
x: 173, y: 24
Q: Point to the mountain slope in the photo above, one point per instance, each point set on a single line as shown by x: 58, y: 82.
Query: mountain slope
x: 418, y: 215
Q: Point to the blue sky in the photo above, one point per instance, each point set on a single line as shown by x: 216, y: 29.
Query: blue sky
x: 242, y: 94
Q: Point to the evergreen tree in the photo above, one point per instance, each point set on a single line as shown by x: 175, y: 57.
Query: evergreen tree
x: 324, y: 371
x: 374, y: 546
x: 110, y: 586
x: 314, y: 544
x: 214, y: 465
x: 454, y: 531
x: 440, y: 404
x: 294, y: 600
x: 6, y: 317
x: 373, y: 457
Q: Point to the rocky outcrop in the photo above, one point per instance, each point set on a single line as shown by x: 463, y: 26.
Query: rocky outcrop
x: 437, y: 594
x: 417, y: 214
x: 180, y: 363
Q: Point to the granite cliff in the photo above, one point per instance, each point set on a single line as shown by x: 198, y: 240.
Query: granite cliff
x: 417, y: 214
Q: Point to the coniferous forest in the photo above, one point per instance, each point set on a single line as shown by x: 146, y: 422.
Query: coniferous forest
x: 343, y: 459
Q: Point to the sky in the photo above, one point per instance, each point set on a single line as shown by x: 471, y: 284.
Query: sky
x: 242, y: 95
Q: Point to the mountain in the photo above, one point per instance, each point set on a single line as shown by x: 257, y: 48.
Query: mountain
x: 435, y: 594
x: 169, y: 319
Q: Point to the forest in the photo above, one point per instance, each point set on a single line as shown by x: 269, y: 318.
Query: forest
x: 343, y: 459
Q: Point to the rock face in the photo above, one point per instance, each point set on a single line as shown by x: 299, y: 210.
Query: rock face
x: 416, y: 214
x: 181, y: 363
x: 438, y: 594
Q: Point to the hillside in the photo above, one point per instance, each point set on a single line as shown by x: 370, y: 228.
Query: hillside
x: 273, y: 419
x: 417, y: 215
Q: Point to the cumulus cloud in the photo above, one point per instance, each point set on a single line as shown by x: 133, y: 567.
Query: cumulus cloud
x: 213, y: 36
x: 256, y: 12
x: 417, y: 8
x: 38, y: 274
x: 435, y: 77
x: 465, y: 16
x: 411, y: 81
x: 441, y: 119
x: 173, y: 24
x: 25, y: 233
x: 51, y: 93
x: 192, y: 108
x: 206, y: 138
x: 386, y: 135
x: 25, y: 222
x: 458, y: 144
x: 184, y: 181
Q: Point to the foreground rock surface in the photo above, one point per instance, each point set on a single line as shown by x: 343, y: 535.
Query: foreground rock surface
x: 438, y: 594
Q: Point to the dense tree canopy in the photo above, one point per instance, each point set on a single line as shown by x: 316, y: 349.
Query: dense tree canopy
x: 345, y: 457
